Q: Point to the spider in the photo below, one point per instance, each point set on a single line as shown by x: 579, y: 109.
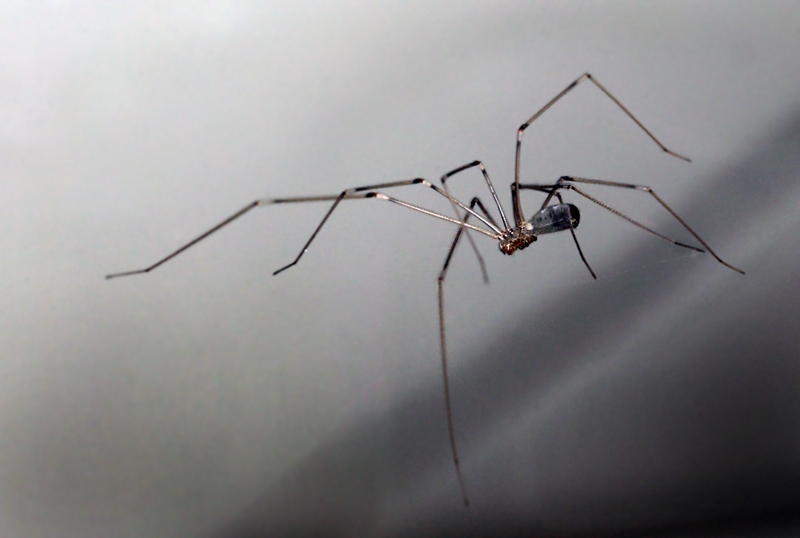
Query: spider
x: 550, y: 218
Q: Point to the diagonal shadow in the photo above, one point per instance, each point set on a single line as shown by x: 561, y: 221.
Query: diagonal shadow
x: 715, y: 439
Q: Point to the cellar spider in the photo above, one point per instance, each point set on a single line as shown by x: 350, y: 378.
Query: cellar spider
x: 550, y: 218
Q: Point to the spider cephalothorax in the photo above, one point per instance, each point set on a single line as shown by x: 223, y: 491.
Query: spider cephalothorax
x: 516, y: 239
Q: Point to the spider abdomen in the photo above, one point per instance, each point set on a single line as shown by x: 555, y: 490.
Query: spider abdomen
x: 554, y: 218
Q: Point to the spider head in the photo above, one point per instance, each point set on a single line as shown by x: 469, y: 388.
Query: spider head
x: 515, y: 240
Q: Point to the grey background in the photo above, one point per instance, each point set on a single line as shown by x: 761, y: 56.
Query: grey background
x: 210, y: 399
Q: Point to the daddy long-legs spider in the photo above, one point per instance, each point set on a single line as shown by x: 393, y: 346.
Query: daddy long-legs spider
x: 552, y: 216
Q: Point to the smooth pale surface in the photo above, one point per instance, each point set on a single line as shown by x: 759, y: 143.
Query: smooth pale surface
x: 210, y: 399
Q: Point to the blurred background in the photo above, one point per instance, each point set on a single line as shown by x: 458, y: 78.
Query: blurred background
x: 211, y: 399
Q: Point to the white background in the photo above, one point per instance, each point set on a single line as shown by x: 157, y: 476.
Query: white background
x: 209, y: 398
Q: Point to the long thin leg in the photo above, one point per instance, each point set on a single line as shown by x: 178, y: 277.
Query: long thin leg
x: 477, y: 202
x: 350, y: 194
x: 566, y: 182
x: 447, y: 402
x: 496, y: 201
x: 621, y: 214
x: 248, y: 207
x: 518, y: 215
x: 479, y: 164
x: 381, y: 196
x: 553, y: 191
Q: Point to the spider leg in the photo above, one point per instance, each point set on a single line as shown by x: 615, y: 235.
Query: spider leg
x: 552, y: 190
x: 447, y: 403
x: 477, y: 201
x: 482, y: 168
x: 241, y: 212
x: 489, y: 217
x: 568, y: 183
x: 381, y: 196
x: 518, y: 215
x: 349, y: 194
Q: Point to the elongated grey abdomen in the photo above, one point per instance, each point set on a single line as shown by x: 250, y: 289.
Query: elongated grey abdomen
x: 555, y: 218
